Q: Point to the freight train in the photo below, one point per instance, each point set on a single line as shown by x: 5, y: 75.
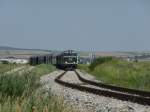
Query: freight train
x: 64, y: 60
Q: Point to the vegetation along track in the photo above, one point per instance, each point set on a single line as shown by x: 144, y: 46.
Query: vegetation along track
x: 132, y: 95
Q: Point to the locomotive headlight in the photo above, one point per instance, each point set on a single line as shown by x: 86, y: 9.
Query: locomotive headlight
x: 66, y: 62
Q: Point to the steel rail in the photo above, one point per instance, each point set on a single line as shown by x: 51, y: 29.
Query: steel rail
x: 107, y: 93
x: 115, y: 88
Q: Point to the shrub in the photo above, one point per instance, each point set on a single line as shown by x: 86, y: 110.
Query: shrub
x: 99, y: 61
x: 5, y: 62
x: 15, y: 85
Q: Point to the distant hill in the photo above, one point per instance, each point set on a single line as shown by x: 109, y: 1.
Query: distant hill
x: 8, y: 48
x: 13, y: 48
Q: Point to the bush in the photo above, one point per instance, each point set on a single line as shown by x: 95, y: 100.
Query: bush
x: 5, y: 62
x: 15, y: 85
x: 99, y: 61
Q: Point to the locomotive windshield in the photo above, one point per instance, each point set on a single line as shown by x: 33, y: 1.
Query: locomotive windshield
x: 70, y: 54
x: 70, y: 59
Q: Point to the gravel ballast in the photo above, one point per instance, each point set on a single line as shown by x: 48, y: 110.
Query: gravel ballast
x: 87, y: 102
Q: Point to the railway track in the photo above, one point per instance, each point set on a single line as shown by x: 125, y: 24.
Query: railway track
x: 125, y: 94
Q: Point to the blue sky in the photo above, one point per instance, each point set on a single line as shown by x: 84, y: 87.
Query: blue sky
x: 91, y: 25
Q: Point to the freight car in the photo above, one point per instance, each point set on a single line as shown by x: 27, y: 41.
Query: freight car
x: 35, y: 60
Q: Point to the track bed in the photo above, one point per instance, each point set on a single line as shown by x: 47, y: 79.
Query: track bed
x: 125, y: 94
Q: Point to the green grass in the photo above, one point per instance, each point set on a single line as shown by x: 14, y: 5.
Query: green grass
x: 15, y: 85
x: 43, y: 69
x: 38, y: 101
x: 7, y: 67
x: 122, y: 73
x: 24, y: 93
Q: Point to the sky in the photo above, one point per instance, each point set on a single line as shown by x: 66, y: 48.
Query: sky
x: 87, y: 25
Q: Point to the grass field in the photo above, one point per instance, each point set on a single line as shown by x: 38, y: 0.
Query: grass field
x: 43, y: 69
x: 7, y: 67
x: 23, y: 93
x: 122, y: 73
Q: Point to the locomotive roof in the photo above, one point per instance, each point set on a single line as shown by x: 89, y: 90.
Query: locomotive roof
x: 69, y: 51
x: 64, y: 52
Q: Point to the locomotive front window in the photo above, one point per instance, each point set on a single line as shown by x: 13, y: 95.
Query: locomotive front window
x: 70, y: 59
x: 70, y: 54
